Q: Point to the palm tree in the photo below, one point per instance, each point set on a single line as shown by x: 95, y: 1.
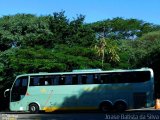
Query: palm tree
x: 100, y: 48
x: 114, y: 57
x: 103, y: 46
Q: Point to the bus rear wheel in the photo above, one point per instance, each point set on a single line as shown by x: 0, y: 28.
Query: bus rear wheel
x: 120, y: 106
x: 33, y: 108
x: 105, y: 107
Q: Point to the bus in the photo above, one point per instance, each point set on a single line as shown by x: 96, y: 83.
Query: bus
x: 93, y: 89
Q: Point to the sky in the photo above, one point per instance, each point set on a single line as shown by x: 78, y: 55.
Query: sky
x: 94, y: 10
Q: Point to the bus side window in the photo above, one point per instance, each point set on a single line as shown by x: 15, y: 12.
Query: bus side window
x: 34, y: 81
x: 90, y: 79
x: 47, y: 80
x: 55, y: 80
x: 117, y: 78
x: 106, y: 78
x: 133, y: 77
x: 31, y: 82
x: 103, y: 78
x: 142, y: 76
x: 62, y: 80
x: 96, y: 79
x: 41, y: 81
x: 126, y: 77
x: 68, y: 80
x: 74, y: 79
x: 84, y: 79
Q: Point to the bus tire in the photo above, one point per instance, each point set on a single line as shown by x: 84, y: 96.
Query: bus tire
x: 33, y: 108
x: 106, y: 106
x: 120, y: 106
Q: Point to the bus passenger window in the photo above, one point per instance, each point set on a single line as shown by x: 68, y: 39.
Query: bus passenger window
x: 34, y: 81
x: 41, y: 81
x: 62, y: 80
x: 55, y: 80
x: 96, y: 79
x: 117, y: 78
x: 68, y: 80
x: 74, y: 79
x: 105, y: 78
x: 89, y: 79
x: 84, y: 79
x: 49, y: 81
x: 31, y: 82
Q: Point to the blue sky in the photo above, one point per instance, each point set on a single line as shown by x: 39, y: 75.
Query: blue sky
x: 94, y: 10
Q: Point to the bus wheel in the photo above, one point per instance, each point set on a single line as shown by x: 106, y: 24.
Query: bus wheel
x: 33, y: 108
x: 105, y: 107
x: 120, y: 106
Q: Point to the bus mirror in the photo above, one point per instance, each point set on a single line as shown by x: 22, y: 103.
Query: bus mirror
x: 7, y: 90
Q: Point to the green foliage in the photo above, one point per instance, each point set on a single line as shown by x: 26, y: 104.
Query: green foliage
x: 70, y: 32
x: 23, y: 30
x: 151, y: 36
x: 149, y: 44
x: 15, y: 28
x: 119, y: 28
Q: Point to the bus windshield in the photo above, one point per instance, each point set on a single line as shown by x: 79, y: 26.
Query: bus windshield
x: 19, y: 89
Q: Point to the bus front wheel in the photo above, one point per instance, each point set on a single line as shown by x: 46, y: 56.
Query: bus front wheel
x: 105, y: 107
x: 33, y: 108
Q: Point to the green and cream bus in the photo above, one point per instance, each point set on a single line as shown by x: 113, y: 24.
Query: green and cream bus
x: 93, y: 89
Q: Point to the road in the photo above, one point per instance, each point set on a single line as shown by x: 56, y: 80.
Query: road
x: 86, y: 115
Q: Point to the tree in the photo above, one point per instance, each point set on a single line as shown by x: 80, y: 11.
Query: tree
x: 104, y: 47
x: 119, y: 28
x: 100, y: 48
x: 14, y: 28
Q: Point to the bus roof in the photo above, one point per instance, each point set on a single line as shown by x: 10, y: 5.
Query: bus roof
x: 86, y: 71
